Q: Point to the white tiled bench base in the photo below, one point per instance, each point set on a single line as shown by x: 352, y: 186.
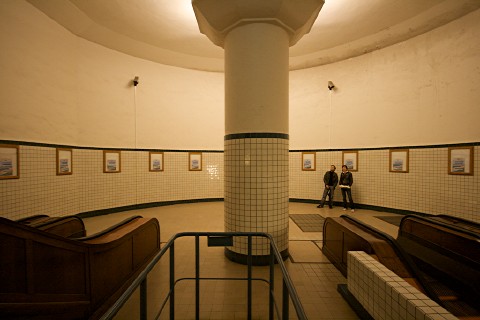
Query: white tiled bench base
x: 387, y: 296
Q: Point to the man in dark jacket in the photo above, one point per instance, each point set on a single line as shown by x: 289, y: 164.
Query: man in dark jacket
x: 331, y: 180
x: 346, y: 181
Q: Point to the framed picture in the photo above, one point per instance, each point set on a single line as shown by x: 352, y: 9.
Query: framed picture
x: 350, y: 159
x: 64, y: 161
x: 111, y: 161
x: 9, y: 161
x: 399, y: 160
x: 309, y: 161
x: 195, y: 161
x: 460, y: 160
x: 156, y: 161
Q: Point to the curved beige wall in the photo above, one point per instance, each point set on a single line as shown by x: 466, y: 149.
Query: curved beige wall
x: 61, y: 89
x: 420, y: 92
x: 58, y: 88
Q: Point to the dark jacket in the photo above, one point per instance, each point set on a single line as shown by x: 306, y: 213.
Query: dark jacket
x: 346, y: 179
x: 326, y: 179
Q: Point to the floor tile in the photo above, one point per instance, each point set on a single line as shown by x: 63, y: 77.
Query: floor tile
x: 314, y: 278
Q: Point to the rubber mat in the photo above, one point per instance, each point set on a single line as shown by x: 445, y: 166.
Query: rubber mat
x: 308, y: 222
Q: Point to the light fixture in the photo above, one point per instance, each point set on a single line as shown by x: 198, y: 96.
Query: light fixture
x: 330, y: 85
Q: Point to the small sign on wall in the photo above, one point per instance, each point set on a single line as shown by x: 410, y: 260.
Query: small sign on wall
x: 350, y: 159
x: 111, y: 161
x: 64, y: 161
x: 156, y: 161
x: 460, y: 160
x: 9, y: 162
x: 195, y: 161
x: 399, y: 159
x: 308, y: 161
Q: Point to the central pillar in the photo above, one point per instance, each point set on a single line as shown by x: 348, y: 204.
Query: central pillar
x: 256, y: 137
x: 256, y: 36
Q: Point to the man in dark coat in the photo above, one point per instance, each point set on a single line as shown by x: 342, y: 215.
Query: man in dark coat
x: 331, y: 180
x: 346, y: 181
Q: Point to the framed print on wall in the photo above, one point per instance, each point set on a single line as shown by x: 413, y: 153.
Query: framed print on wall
x: 399, y: 160
x: 9, y: 161
x: 156, y: 161
x: 64, y: 161
x: 195, y: 161
x: 350, y: 159
x: 308, y: 161
x: 460, y: 160
x: 111, y: 161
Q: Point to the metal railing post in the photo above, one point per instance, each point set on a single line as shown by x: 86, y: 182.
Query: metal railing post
x: 143, y: 299
x: 288, y: 290
x: 197, y: 277
x: 172, y: 281
x: 285, y: 301
x: 272, y: 287
x: 249, y: 293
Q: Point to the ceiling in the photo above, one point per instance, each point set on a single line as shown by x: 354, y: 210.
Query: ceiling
x: 166, y: 31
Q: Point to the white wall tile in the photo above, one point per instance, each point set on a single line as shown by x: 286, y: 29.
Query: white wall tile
x: 381, y: 298
x: 426, y: 188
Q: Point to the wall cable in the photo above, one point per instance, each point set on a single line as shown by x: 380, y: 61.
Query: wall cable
x: 135, y: 142
x: 330, y: 121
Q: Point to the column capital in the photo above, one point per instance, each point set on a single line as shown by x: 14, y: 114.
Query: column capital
x: 216, y: 18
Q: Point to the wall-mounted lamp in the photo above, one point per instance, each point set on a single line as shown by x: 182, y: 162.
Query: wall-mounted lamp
x: 330, y: 85
x: 135, y: 81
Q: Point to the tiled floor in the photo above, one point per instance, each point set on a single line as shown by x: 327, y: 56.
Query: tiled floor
x: 314, y: 277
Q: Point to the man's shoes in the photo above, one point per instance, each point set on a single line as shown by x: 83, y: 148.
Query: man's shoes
x: 319, y: 206
x: 330, y: 207
x: 344, y: 209
x: 353, y: 210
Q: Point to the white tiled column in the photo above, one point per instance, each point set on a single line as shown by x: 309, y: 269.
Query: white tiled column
x: 256, y: 191
x: 256, y: 36
x: 256, y: 122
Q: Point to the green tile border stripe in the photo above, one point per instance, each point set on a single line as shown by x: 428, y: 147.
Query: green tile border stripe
x: 249, y: 135
x: 466, y: 144
x: 101, y: 212
x: 364, y: 206
x: 237, y: 136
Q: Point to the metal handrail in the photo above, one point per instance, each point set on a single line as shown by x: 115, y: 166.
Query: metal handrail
x: 288, y: 290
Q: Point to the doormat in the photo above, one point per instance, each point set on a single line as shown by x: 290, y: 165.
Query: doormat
x: 308, y: 222
x: 391, y: 219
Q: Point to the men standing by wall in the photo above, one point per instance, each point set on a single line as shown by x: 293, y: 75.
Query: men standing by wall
x: 331, y: 180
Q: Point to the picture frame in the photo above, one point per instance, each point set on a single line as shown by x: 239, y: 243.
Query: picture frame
x: 195, y: 161
x: 64, y: 161
x: 155, y: 163
x: 350, y: 159
x: 399, y: 160
x: 460, y: 161
x: 9, y: 161
x: 309, y: 161
x: 112, y: 161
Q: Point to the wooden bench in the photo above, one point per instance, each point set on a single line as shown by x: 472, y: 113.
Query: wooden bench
x: 450, y: 256
x: 47, y: 276
x: 341, y: 235
x: 434, y: 254
x: 68, y: 226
